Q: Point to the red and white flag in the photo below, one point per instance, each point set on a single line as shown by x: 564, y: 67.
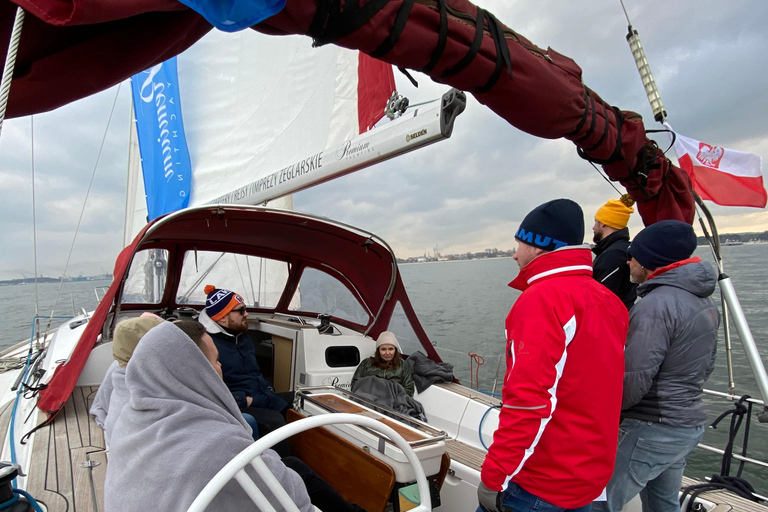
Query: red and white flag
x: 724, y: 176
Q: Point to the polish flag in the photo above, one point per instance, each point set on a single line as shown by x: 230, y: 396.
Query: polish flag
x: 724, y: 176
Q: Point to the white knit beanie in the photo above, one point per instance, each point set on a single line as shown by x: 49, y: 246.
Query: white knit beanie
x: 388, y: 338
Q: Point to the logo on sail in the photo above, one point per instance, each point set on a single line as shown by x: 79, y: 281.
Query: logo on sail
x: 347, y: 149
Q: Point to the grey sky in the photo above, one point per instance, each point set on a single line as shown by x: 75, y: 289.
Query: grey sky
x: 467, y: 193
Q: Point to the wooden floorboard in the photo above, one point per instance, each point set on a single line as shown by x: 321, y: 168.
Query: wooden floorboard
x: 57, y: 476
x: 465, y: 454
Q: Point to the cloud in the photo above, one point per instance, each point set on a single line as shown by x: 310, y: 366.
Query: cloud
x: 467, y: 193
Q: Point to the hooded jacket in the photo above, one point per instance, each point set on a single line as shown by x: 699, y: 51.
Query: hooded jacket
x: 671, y: 345
x: 559, y: 421
x: 610, y: 266
x: 242, y: 373
x: 179, y: 428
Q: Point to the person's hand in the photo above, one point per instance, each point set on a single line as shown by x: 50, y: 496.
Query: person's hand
x: 248, y: 401
x: 490, y: 501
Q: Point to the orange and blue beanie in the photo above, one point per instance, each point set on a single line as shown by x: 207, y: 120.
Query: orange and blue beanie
x: 219, y: 302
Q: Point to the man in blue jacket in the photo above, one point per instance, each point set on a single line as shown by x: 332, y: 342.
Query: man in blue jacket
x: 670, y: 353
x: 225, y: 318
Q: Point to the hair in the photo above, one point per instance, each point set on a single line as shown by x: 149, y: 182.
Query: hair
x: 386, y: 365
x: 193, y: 329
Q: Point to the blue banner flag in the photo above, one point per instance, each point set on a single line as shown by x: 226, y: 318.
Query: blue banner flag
x: 162, y: 144
x: 234, y: 15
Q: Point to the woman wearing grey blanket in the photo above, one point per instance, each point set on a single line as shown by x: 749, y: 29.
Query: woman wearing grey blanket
x: 179, y: 428
x: 113, y: 395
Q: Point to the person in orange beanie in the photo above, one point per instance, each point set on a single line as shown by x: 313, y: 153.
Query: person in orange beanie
x: 611, y: 238
x: 225, y: 318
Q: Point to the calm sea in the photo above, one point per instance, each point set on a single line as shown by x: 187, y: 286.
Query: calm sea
x: 462, y: 306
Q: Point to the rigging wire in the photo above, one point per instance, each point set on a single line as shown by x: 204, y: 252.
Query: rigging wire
x: 85, y: 202
x: 34, y: 224
x: 250, y: 278
x: 605, y: 178
x: 625, y: 12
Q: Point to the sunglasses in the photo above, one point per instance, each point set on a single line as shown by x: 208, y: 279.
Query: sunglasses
x: 239, y: 311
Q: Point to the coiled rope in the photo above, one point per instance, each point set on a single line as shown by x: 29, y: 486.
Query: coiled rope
x: 724, y: 480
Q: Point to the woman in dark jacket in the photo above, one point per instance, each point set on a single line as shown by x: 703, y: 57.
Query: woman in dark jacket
x: 386, y: 363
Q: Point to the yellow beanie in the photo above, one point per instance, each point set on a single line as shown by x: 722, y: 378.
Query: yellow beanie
x: 615, y: 213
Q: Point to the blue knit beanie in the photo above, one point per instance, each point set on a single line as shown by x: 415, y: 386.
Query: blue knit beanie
x: 663, y: 243
x: 219, y: 302
x: 552, y: 225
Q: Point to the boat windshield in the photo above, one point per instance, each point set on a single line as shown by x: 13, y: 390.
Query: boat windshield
x: 260, y: 281
x: 319, y: 292
x: 146, y: 279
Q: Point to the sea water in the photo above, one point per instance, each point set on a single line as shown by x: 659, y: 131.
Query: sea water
x: 462, y: 306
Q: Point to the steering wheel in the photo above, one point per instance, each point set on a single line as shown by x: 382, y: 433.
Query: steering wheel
x: 235, y: 469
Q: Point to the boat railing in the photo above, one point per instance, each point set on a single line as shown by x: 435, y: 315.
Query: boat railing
x: 100, y: 290
x: 734, y: 398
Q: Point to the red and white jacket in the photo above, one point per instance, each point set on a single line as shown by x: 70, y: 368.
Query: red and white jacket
x: 558, y: 425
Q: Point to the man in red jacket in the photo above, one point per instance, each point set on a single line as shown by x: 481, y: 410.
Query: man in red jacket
x: 555, y: 446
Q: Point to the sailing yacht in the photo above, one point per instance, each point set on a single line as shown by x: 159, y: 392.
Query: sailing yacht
x: 63, y: 452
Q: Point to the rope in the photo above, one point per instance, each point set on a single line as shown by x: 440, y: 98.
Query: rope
x: 724, y: 480
x: 480, y: 427
x: 85, y: 202
x: 10, y: 63
x: 480, y: 361
x: 29, y: 498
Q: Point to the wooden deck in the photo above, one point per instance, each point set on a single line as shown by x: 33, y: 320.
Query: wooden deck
x: 57, y: 477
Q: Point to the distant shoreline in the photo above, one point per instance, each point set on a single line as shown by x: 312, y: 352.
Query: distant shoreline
x: 49, y: 280
x: 455, y: 261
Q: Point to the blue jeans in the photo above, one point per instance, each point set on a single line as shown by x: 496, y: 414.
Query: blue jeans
x: 517, y: 499
x: 251, y: 421
x: 650, y: 460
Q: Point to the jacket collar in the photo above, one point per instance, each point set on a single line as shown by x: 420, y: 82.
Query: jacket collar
x: 602, y: 245
x: 669, y: 267
x: 211, y: 326
x: 570, y: 260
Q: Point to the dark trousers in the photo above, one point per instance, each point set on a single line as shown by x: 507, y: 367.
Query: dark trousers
x: 321, y: 494
x: 269, y: 420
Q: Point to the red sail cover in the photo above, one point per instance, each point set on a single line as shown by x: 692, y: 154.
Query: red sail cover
x: 53, y: 397
x: 73, y: 48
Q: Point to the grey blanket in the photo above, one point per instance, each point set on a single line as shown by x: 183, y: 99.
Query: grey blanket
x: 117, y: 401
x: 100, y: 405
x: 389, y: 393
x: 178, y: 429
x: 426, y: 371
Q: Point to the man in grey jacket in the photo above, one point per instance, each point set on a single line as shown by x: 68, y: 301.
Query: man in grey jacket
x: 670, y: 353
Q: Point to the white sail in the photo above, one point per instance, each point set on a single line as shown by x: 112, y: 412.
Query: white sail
x: 252, y: 104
